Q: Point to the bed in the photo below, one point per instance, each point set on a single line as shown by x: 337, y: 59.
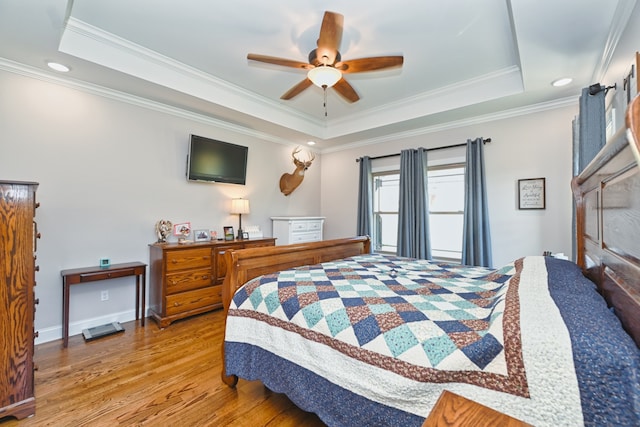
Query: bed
x: 365, y: 339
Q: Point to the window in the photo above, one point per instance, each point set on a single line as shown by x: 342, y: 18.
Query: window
x: 386, y: 187
x: 446, y: 211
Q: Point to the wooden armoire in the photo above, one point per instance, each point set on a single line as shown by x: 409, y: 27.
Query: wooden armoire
x: 18, y: 234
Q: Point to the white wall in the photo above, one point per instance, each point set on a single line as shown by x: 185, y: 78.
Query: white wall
x: 108, y: 170
x: 529, y: 146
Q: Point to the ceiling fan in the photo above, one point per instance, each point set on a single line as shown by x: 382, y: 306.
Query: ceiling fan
x: 326, y: 67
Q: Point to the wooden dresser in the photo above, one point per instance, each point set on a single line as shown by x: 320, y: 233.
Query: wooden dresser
x: 18, y: 233
x: 297, y: 229
x: 186, y: 279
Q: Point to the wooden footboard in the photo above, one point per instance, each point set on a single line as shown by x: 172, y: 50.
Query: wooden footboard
x: 246, y: 264
x: 607, y: 195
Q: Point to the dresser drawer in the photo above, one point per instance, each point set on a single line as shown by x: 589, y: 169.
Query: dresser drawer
x: 314, y: 225
x: 103, y: 275
x: 297, y: 226
x: 306, y: 237
x: 191, y: 300
x: 188, y: 258
x: 192, y: 279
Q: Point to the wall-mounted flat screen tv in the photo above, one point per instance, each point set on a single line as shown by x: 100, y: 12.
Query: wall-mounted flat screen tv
x: 211, y: 160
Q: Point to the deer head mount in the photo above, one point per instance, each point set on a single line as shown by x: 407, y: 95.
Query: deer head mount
x: 290, y: 181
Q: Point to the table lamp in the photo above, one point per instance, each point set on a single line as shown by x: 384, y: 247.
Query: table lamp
x: 239, y: 207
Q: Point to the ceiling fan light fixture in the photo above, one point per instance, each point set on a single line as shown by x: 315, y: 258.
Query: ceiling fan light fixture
x: 324, y: 76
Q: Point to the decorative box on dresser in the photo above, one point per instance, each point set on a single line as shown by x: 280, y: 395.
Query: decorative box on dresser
x: 18, y: 234
x: 186, y: 279
x: 297, y: 229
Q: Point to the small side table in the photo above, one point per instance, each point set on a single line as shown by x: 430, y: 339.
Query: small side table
x: 78, y: 276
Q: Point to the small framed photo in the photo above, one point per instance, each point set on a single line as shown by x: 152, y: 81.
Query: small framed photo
x: 228, y: 233
x: 182, y: 229
x: 202, y: 235
x: 245, y: 234
x: 531, y: 193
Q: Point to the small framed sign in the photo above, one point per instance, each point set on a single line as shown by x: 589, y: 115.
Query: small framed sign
x: 531, y: 193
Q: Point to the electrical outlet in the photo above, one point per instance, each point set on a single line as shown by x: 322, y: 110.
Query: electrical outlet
x: 104, y: 296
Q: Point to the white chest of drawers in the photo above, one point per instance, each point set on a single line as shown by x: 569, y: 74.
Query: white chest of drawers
x: 297, y: 229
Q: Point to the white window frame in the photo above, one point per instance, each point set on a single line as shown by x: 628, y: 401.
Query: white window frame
x: 376, y: 219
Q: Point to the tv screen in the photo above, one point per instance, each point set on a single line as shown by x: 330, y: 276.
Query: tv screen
x: 211, y: 160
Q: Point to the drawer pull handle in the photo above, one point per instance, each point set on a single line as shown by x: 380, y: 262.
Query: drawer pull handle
x: 175, y: 304
x: 175, y: 261
x: 173, y: 282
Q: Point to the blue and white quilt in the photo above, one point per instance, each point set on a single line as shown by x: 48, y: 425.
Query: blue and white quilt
x: 397, y: 332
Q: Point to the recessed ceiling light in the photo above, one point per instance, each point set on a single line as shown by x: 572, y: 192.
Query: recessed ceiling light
x: 311, y: 143
x: 58, y: 67
x: 562, y: 82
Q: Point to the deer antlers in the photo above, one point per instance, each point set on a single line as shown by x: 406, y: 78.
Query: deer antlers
x: 291, y: 181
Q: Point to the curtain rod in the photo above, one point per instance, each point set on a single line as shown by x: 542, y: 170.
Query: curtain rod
x: 484, y: 141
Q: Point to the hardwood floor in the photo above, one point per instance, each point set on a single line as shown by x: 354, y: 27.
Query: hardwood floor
x: 149, y: 376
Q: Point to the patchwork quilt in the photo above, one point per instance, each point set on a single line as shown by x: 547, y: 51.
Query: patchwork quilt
x: 398, y: 331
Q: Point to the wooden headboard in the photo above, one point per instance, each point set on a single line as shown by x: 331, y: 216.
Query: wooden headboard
x: 607, y: 195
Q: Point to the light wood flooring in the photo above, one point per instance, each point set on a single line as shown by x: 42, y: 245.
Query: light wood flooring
x: 148, y: 376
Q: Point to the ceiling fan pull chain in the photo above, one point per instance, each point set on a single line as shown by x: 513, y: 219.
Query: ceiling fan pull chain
x: 324, y: 89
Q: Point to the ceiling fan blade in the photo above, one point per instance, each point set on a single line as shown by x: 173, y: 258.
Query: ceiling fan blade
x: 297, y: 89
x: 369, y: 64
x: 345, y: 90
x: 279, y: 61
x: 330, y: 37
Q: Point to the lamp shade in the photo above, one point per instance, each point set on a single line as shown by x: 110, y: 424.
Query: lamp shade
x: 239, y: 206
x: 324, y: 76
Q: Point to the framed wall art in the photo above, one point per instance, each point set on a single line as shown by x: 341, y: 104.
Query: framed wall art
x: 531, y: 193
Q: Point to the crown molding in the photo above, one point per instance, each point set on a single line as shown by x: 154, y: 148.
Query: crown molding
x: 498, y: 84
x: 485, y: 118
x: 95, y: 45
x: 38, y: 74
x: 618, y: 25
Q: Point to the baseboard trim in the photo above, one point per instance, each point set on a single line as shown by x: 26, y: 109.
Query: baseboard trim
x: 75, y: 328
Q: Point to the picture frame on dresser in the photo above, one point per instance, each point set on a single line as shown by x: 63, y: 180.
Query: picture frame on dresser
x: 228, y: 233
x: 201, y: 235
x: 182, y: 229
